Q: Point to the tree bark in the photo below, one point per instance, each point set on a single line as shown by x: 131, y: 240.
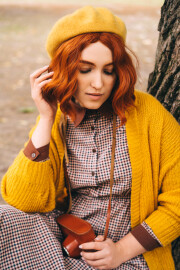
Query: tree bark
x: 164, y: 81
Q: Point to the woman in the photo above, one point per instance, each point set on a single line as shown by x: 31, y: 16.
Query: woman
x: 90, y: 79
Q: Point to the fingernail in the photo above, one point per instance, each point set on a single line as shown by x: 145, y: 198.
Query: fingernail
x: 80, y: 246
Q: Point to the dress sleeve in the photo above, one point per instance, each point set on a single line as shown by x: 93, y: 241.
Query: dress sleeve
x: 36, y: 154
x: 145, y: 236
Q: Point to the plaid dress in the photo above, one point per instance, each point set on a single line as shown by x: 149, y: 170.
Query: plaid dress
x: 33, y: 241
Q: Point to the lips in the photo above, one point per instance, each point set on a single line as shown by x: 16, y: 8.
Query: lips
x: 94, y: 94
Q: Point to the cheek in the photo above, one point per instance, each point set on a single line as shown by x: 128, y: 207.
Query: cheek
x: 111, y: 83
x: 82, y: 81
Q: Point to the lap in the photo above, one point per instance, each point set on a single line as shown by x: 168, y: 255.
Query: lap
x: 33, y: 241
x: 29, y: 241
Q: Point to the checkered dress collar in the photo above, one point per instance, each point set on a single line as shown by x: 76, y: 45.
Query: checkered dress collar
x: 106, y: 110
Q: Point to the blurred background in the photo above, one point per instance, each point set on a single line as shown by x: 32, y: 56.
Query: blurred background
x: 24, y: 26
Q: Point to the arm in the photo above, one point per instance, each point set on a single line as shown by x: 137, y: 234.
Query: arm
x: 129, y: 248
x: 27, y: 185
x: 109, y: 254
x: 165, y: 221
x: 138, y: 241
x: 42, y: 133
x: 36, y: 154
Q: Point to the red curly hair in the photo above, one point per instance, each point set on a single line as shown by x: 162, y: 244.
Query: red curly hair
x: 65, y: 65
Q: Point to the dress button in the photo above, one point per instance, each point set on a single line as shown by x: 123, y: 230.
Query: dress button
x: 33, y: 155
x: 93, y: 173
x: 94, y: 150
x: 92, y: 128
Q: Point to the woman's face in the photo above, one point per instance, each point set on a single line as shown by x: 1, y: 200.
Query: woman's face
x: 96, y: 76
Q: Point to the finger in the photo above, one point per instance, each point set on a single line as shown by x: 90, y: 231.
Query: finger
x: 99, y: 238
x: 42, y: 84
x: 92, y: 245
x: 35, y: 94
x: 97, y: 255
x: 38, y: 72
x: 44, y: 77
x: 99, y: 264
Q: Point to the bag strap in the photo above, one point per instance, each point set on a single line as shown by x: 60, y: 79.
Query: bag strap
x: 111, y: 179
x: 68, y: 186
x: 111, y: 176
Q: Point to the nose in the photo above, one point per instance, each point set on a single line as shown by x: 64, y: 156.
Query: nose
x: 97, y: 80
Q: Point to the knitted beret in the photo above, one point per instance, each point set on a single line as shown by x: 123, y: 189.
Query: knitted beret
x: 84, y: 20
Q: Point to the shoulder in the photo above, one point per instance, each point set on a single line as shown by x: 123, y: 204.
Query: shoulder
x: 151, y: 113
x: 146, y: 100
x: 149, y: 107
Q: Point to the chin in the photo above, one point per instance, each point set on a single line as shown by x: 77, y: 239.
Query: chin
x: 92, y: 106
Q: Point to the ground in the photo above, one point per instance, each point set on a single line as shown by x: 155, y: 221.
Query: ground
x: 23, y: 32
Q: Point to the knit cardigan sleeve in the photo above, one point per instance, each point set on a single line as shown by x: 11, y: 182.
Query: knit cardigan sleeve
x: 34, y: 186
x: 165, y: 219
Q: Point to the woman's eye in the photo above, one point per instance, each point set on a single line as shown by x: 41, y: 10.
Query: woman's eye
x: 84, y: 70
x: 107, y: 72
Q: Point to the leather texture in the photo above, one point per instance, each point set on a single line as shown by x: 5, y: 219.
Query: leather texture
x: 77, y: 231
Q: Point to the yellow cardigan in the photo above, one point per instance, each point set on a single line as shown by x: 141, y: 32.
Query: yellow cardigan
x: 153, y: 137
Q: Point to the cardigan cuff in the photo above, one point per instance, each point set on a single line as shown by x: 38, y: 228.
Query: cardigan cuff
x: 144, y: 237
x: 36, y: 154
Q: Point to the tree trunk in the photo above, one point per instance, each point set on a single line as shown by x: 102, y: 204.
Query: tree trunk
x: 164, y: 81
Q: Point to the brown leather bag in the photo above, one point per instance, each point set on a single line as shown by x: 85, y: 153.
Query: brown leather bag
x: 76, y: 230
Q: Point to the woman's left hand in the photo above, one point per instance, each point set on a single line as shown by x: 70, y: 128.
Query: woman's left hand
x: 107, y: 255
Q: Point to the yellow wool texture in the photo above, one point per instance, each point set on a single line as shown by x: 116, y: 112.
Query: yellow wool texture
x: 85, y: 20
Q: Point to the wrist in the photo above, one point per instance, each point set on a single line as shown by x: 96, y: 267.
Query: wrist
x: 42, y: 134
x: 48, y: 120
x: 121, y: 250
x: 129, y: 247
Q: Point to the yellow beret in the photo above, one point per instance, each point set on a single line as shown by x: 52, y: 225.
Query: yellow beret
x: 84, y: 20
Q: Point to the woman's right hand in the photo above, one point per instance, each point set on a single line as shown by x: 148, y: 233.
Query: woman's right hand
x: 38, y: 81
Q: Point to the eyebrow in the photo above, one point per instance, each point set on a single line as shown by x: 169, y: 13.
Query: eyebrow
x: 90, y: 63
